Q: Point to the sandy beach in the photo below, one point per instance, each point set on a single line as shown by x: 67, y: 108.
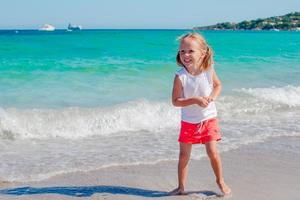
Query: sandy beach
x: 255, y: 171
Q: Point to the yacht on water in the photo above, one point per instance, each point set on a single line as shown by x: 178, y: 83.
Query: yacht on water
x: 73, y: 27
x: 274, y: 29
x: 47, y: 27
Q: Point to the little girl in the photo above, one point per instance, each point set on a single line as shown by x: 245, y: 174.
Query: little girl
x: 196, y: 87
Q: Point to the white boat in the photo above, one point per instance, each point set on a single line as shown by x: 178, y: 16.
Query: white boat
x: 274, y: 29
x: 73, y: 27
x: 47, y: 27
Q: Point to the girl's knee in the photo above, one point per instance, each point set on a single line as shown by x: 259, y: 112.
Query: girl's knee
x: 184, y: 156
x: 213, y: 154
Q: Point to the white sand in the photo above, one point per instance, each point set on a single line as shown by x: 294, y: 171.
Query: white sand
x: 254, y: 172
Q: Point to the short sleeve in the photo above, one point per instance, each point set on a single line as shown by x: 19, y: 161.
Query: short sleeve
x: 209, y: 74
x: 180, y: 73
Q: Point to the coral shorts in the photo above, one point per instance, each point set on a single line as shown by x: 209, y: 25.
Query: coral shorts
x: 200, y: 133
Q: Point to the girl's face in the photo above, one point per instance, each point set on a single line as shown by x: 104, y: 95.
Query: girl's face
x: 190, y: 53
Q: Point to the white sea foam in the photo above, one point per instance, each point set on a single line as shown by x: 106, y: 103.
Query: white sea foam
x: 140, y: 132
x: 141, y: 115
x: 75, y: 123
x: 287, y: 95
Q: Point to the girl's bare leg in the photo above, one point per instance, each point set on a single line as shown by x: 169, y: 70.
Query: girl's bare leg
x: 215, y: 160
x: 184, y: 157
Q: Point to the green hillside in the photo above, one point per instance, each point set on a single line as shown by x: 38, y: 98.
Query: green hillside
x: 289, y: 21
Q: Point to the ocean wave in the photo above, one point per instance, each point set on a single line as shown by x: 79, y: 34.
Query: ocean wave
x: 144, y: 115
x: 287, y: 95
x: 257, y: 103
x: 77, y: 122
x: 74, y: 147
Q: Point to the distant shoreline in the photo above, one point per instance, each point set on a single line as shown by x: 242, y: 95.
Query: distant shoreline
x: 288, y: 22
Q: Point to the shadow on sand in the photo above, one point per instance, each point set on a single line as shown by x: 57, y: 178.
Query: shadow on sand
x: 87, y: 191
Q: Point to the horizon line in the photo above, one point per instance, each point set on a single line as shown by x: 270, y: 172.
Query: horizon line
x: 61, y: 29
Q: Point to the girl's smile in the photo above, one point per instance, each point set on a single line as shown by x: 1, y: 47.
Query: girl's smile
x: 190, y: 54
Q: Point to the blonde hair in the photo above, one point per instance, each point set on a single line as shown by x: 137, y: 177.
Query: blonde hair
x: 208, y: 58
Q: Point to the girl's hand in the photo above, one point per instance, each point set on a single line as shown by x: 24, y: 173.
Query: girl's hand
x: 202, y: 101
x: 209, y: 99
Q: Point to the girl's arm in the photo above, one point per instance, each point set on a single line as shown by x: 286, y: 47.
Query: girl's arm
x: 177, y: 99
x: 217, y: 87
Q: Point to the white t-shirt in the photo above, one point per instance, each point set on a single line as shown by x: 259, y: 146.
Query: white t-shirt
x: 193, y: 86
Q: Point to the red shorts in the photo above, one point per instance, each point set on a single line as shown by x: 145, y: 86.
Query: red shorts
x: 202, y: 132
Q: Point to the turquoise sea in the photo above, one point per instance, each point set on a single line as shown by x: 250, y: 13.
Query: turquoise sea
x: 77, y: 101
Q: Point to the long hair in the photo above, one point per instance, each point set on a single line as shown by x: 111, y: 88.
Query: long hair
x: 208, y: 58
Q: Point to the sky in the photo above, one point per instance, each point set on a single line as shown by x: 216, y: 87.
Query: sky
x: 137, y: 14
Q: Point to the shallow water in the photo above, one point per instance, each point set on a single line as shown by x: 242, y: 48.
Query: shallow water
x: 80, y: 101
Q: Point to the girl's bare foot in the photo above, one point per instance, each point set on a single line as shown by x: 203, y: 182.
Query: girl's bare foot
x: 177, y: 191
x: 224, y: 188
